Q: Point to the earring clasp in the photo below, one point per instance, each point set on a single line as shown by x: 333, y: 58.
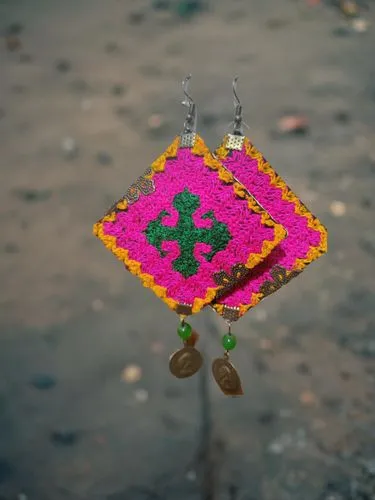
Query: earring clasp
x: 190, y: 124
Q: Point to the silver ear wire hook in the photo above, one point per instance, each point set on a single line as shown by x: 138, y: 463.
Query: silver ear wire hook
x: 237, y: 124
x: 238, y: 121
x: 190, y: 124
x: 236, y: 98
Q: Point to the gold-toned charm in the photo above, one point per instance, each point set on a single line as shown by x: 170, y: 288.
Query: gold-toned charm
x: 227, y: 377
x: 185, y: 362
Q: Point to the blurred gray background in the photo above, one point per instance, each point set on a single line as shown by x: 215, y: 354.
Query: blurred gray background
x: 90, y: 95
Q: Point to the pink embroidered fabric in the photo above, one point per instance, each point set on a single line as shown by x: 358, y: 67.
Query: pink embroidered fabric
x: 192, y: 226
x: 306, y: 237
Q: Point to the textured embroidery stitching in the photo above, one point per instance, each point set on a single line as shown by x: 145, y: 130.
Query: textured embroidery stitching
x: 187, y: 234
x: 158, y: 166
x: 313, y: 223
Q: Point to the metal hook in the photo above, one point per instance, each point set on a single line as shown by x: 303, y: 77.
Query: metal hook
x: 234, y: 86
x: 185, y: 86
x: 191, y: 118
x: 237, y: 123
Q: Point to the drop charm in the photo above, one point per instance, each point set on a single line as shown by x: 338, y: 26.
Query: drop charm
x: 224, y: 372
x: 187, y: 361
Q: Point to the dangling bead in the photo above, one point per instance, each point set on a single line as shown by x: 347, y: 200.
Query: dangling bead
x: 184, y: 330
x: 229, y: 341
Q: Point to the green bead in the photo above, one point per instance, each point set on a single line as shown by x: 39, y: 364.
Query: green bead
x: 184, y: 331
x: 229, y: 342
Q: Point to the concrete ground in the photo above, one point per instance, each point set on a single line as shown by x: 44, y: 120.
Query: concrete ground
x: 89, y: 95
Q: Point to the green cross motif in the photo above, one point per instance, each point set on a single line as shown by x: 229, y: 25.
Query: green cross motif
x: 187, y: 234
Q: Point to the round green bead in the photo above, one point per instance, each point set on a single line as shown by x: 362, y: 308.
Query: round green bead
x: 229, y: 342
x: 184, y: 331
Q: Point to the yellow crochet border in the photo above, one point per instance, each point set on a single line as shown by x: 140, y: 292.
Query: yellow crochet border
x: 287, y: 194
x: 158, y: 166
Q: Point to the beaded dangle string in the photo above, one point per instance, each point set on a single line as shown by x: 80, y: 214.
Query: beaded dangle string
x: 223, y: 370
x: 187, y: 361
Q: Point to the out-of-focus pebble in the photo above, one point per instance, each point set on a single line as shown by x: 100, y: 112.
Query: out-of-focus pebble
x: 360, y: 25
x: 308, y: 398
x: 132, y: 374
x: 338, y: 208
x: 293, y: 124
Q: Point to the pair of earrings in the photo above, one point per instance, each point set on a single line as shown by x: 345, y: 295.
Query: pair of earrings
x: 218, y: 229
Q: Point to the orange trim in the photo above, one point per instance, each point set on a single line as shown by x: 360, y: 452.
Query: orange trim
x: 158, y: 166
x: 287, y: 194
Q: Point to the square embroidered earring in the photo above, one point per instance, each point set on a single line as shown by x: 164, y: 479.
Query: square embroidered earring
x: 184, y: 224
x: 306, y: 240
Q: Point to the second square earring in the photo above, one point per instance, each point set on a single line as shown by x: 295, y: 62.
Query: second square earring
x: 305, y: 242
